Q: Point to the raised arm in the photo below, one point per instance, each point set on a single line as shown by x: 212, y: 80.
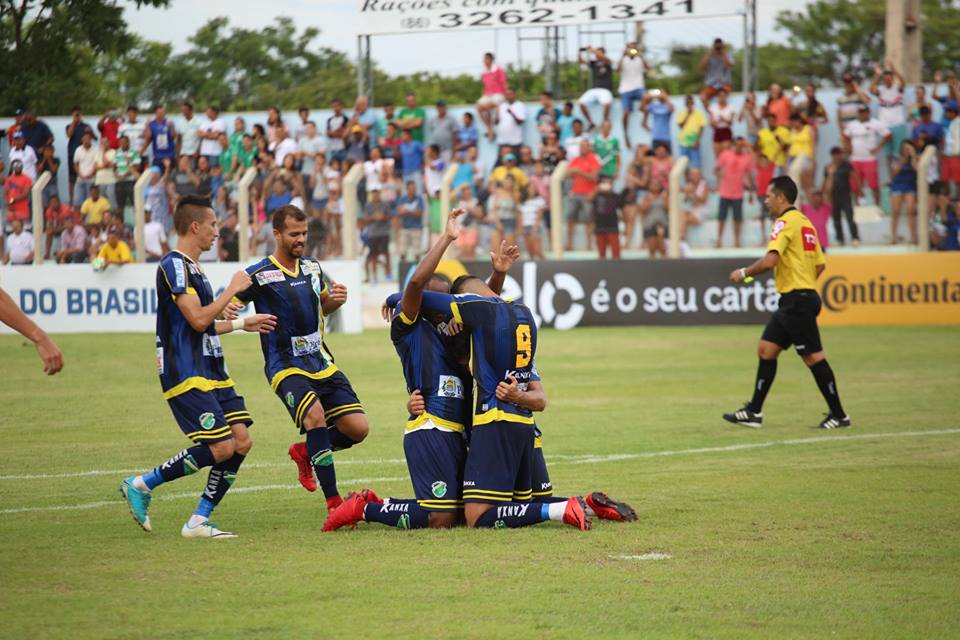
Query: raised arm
x: 502, y: 260
x: 414, y: 291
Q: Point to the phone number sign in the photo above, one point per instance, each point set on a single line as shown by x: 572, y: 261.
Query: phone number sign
x: 406, y: 16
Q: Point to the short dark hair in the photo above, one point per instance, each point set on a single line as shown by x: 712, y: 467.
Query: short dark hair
x: 441, y: 278
x: 281, y: 214
x: 190, y: 209
x: 785, y: 186
x: 549, y: 94
x: 133, y: 107
x: 492, y: 57
x: 468, y: 114
x: 187, y: 103
x: 835, y: 150
x: 75, y: 107
x: 457, y: 285
x: 302, y: 109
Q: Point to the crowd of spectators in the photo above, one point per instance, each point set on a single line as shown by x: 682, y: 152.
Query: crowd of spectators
x: 617, y: 191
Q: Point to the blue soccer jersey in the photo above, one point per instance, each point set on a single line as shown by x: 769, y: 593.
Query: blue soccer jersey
x: 296, y: 347
x: 186, y: 359
x: 503, y: 343
x: 430, y: 366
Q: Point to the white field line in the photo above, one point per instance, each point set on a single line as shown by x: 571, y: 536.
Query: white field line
x: 583, y: 459
x: 654, y: 555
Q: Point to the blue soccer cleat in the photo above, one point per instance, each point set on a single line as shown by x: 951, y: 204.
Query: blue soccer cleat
x: 138, y: 502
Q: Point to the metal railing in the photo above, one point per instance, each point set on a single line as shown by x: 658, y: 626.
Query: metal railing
x: 556, y: 209
x: 928, y: 157
x: 351, y: 211
x: 36, y: 200
x: 674, y: 223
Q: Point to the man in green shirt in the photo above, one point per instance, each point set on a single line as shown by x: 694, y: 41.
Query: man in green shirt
x: 226, y: 158
x: 239, y: 130
x: 607, y: 149
x: 127, y: 169
x: 412, y: 118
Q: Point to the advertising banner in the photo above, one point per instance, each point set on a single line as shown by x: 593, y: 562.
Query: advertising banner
x: 76, y: 299
x: 869, y: 289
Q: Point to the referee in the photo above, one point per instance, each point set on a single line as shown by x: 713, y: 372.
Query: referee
x: 795, y: 255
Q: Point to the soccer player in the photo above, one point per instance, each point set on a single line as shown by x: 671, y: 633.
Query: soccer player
x: 298, y: 363
x: 193, y: 375
x: 795, y: 255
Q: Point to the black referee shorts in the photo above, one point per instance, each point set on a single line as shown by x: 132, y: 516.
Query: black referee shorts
x: 795, y: 322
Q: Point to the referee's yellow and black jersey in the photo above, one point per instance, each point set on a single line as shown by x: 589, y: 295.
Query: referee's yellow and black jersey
x: 503, y: 341
x: 186, y: 359
x: 795, y: 239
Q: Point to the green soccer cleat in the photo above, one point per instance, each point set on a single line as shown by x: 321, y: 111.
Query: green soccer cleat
x: 138, y: 502
x: 205, y: 529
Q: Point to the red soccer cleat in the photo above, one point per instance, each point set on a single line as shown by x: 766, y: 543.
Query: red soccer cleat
x: 369, y: 496
x: 346, y: 515
x: 298, y: 453
x: 607, y: 508
x: 575, y: 514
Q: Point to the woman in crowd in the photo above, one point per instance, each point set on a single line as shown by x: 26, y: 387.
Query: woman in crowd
x: 532, y: 211
x: 551, y: 152
x: 752, y: 114
x: 696, y: 192
x: 635, y: 189
x: 903, y: 191
x: 654, y: 211
x: 913, y: 113
x: 812, y: 110
x: 722, y: 115
x: 48, y: 163
x: 660, y: 166
x: 503, y: 207
x: 470, y: 223
x: 274, y: 123
x: 802, y: 141
x: 779, y: 105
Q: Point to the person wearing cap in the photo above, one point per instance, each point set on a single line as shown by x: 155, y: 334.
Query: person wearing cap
x: 364, y: 117
x: 25, y: 154
x: 951, y: 148
x: 717, y: 64
x: 442, y: 130
x: 17, y: 193
x: 17, y: 122
x: 509, y: 167
x: 356, y: 149
x: 75, y: 130
x: 887, y: 84
x: 849, y: 103
x: 865, y: 137
x: 509, y: 122
x: 411, y: 117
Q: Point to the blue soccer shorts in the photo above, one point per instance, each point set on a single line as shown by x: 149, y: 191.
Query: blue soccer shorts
x: 334, y: 393
x: 435, y: 459
x: 206, y: 416
x: 540, y: 478
x: 499, y: 463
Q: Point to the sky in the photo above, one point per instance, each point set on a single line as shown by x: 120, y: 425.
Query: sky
x: 445, y: 53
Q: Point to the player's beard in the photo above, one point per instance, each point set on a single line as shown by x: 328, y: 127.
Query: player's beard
x: 295, y: 250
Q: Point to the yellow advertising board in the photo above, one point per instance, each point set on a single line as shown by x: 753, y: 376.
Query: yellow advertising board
x: 904, y: 289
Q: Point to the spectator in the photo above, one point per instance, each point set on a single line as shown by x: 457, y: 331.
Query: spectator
x: 903, y: 191
x: 85, y: 167
x: 209, y: 133
x: 278, y: 190
x: 283, y: 146
x: 691, y: 123
x: 300, y: 128
x: 494, y: 80
x: 927, y: 132
x: 309, y: 144
x: 156, y: 195
x: 866, y: 137
x: 526, y: 161
x: 364, y: 117
x: 752, y: 114
x: 356, y: 149
x: 115, y: 251
x: 607, y: 148
x: 239, y: 131
x: 772, y: 141
x: 951, y: 149
x: 696, y: 192
x: 606, y: 219
x: 818, y: 212
x: 654, y: 213
x: 657, y: 103
x: 548, y: 116
x: 850, y: 103
x: 337, y: 130
x: 571, y: 148
x: 410, y: 213
x: 205, y: 177
x: 160, y: 135
x: 802, y: 143
x: 245, y: 156
x: 109, y: 127
x: 377, y: 231
x: 54, y: 222
x: 945, y: 230
x: 188, y: 132
x: 952, y: 92
x: 185, y: 181
x: 19, y: 245
x: 762, y: 175
x: 126, y: 161
x: 551, y: 153
x: 466, y: 136
x: 660, y: 165
x: 470, y: 226
x: 94, y: 207
x: 17, y: 192
x: 388, y: 116
x: 316, y: 235
x: 333, y: 218
x: 565, y: 122
x: 532, y: 211
x: 75, y: 130
x: 442, y: 130
x: 890, y: 111
x: 275, y: 120
x: 840, y: 181
x: 812, y: 109
x: 433, y: 182
x: 466, y: 170
x: 509, y: 168
x: 584, y: 171
x: 412, y: 118
x: 632, y: 68
x: 779, y: 105
x: 17, y: 122
x: 390, y: 143
x: 734, y: 171
x: 49, y: 163
x: 230, y: 239
x: 920, y: 101
x: 635, y: 189
x: 601, y: 82
x: 504, y: 204
x: 24, y: 154
x: 154, y: 238
x: 73, y: 242
x: 376, y: 170
x: 133, y: 128
x: 721, y: 120
x: 540, y: 182
x: 509, y: 120
x: 36, y: 132
x: 717, y: 64
x: 105, y: 178
x: 411, y: 158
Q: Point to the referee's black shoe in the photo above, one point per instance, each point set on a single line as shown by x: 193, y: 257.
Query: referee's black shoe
x: 833, y: 422
x: 745, y: 418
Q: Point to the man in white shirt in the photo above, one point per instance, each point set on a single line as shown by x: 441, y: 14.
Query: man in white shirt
x: 300, y: 129
x: 85, y: 165
x: 572, y: 144
x: 132, y: 128
x: 510, y: 116
x: 308, y: 146
x: 632, y: 69
x: 284, y: 146
x: 865, y: 138
x: 154, y: 238
x: 210, y: 130
x: 891, y: 110
x: 25, y: 154
x: 19, y: 245
x: 189, y: 130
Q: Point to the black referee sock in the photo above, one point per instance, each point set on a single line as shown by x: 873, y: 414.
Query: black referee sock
x: 823, y: 374
x: 766, y: 372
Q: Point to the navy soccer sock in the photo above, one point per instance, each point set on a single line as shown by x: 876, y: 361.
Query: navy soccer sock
x: 823, y: 374
x: 321, y: 457
x: 766, y: 372
x: 221, y: 478
x: 402, y: 515
x: 511, y: 515
x: 184, y: 463
x: 338, y: 440
x: 549, y: 499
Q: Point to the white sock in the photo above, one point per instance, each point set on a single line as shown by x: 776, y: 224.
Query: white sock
x: 196, y: 521
x: 140, y: 485
x: 556, y: 509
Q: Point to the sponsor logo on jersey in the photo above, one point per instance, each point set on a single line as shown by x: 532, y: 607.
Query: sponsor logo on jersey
x: 207, y: 421
x: 310, y: 267
x: 160, y: 361
x: 212, y: 346
x: 778, y: 226
x: 450, y: 387
x: 305, y: 345
x: 266, y: 277
x: 809, y: 236
x: 439, y: 488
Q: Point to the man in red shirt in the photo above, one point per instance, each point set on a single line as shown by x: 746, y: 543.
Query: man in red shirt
x: 17, y: 191
x: 54, y: 221
x: 109, y: 128
x: 585, y: 172
x: 734, y: 171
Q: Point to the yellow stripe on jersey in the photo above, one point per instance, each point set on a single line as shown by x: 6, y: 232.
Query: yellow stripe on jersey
x: 406, y: 320
x: 455, y: 310
x: 198, y: 383
x: 499, y: 415
x: 293, y: 274
x: 538, y: 442
x: 439, y: 423
x: 283, y: 374
x: 485, y: 491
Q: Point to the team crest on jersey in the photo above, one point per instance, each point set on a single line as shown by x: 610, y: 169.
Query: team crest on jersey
x: 439, y: 489
x: 809, y: 236
x: 207, y: 421
x: 778, y: 226
x: 290, y: 399
x: 266, y: 277
x: 450, y: 387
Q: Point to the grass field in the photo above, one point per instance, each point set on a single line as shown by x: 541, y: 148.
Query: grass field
x: 783, y: 532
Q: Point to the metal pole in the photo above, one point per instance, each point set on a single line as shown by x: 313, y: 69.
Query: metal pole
x: 754, y: 68
x: 368, y: 68
x: 745, y: 54
x: 359, y: 65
